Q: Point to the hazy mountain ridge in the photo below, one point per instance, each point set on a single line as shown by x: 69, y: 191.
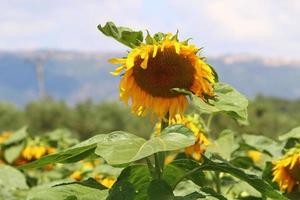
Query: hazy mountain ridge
x: 75, y: 76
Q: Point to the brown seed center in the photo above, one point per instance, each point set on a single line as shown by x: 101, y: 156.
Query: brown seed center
x: 167, y: 70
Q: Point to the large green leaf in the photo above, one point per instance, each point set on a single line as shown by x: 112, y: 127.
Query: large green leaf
x: 122, y: 34
x: 86, y: 190
x: 227, y: 100
x: 120, y: 147
x: 73, y: 154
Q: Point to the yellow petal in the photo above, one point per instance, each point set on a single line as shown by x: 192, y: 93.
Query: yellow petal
x: 117, y: 61
x: 118, y: 70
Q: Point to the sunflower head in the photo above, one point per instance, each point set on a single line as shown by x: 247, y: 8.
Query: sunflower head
x: 286, y: 171
x: 152, y: 70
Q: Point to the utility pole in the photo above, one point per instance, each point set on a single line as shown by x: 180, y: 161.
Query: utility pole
x: 38, y: 61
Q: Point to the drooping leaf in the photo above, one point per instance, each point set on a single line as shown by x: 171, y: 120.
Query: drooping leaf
x: 120, y: 147
x: 124, y: 35
x: 227, y: 100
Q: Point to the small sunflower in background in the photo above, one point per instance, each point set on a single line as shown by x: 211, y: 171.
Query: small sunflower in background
x: 5, y: 136
x: 286, y: 171
x: 256, y: 156
x: 154, y: 68
x: 201, y: 141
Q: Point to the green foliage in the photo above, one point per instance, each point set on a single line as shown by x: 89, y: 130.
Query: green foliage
x: 11, y: 117
x: 124, y: 35
x: 227, y: 100
x: 86, y: 190
x: 121, y: 147
x: 12, y: 182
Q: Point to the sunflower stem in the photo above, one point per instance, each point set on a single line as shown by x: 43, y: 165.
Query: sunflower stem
x: 160, y: 156
x: 150, y: 167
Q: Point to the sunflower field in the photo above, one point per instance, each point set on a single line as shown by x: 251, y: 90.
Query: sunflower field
x: 182, y: 156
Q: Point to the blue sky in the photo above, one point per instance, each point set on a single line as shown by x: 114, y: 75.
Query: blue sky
x: 259, y: 27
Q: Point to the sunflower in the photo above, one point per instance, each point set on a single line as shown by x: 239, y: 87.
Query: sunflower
x: 286, y: 171
x: 153, y: 70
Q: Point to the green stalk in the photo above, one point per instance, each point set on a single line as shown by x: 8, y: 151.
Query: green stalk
x: 160, y: 156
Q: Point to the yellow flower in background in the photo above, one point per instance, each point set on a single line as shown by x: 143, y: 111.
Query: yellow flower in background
x: 286, y: 171
x: 76, y: 175
x: 108, y: 181
x: 5, y: 135
x: 33, y: 152
x: 153, y: 70
x: 191, y: 122
x: 256, y: 156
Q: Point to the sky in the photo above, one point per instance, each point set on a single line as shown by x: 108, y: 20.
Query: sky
x: 259, y: 27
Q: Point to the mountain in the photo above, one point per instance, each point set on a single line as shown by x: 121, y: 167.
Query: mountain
x: 76, y: 76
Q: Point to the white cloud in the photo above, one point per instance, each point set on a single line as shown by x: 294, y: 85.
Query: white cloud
x: 222, y: 26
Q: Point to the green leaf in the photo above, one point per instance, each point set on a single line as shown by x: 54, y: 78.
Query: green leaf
x: 159, y: 189
x: 139, y: 177
x: 159, y: 36
x: 294, y: 133
x: 262, y: 144
x: 120, y: 147
x: 260, y: 185
x: 13, y: 184
x: 224, y: 145
x: 124, y: 35
x: 12, y: 153
x: 73, y: 154
x: 227, y: 100
x: 122, y: 190
x: 18, y: 136
x: 69, y: 191
x: 11, y: 179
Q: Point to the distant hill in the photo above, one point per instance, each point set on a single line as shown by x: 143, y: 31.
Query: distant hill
x: 76, y: 76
